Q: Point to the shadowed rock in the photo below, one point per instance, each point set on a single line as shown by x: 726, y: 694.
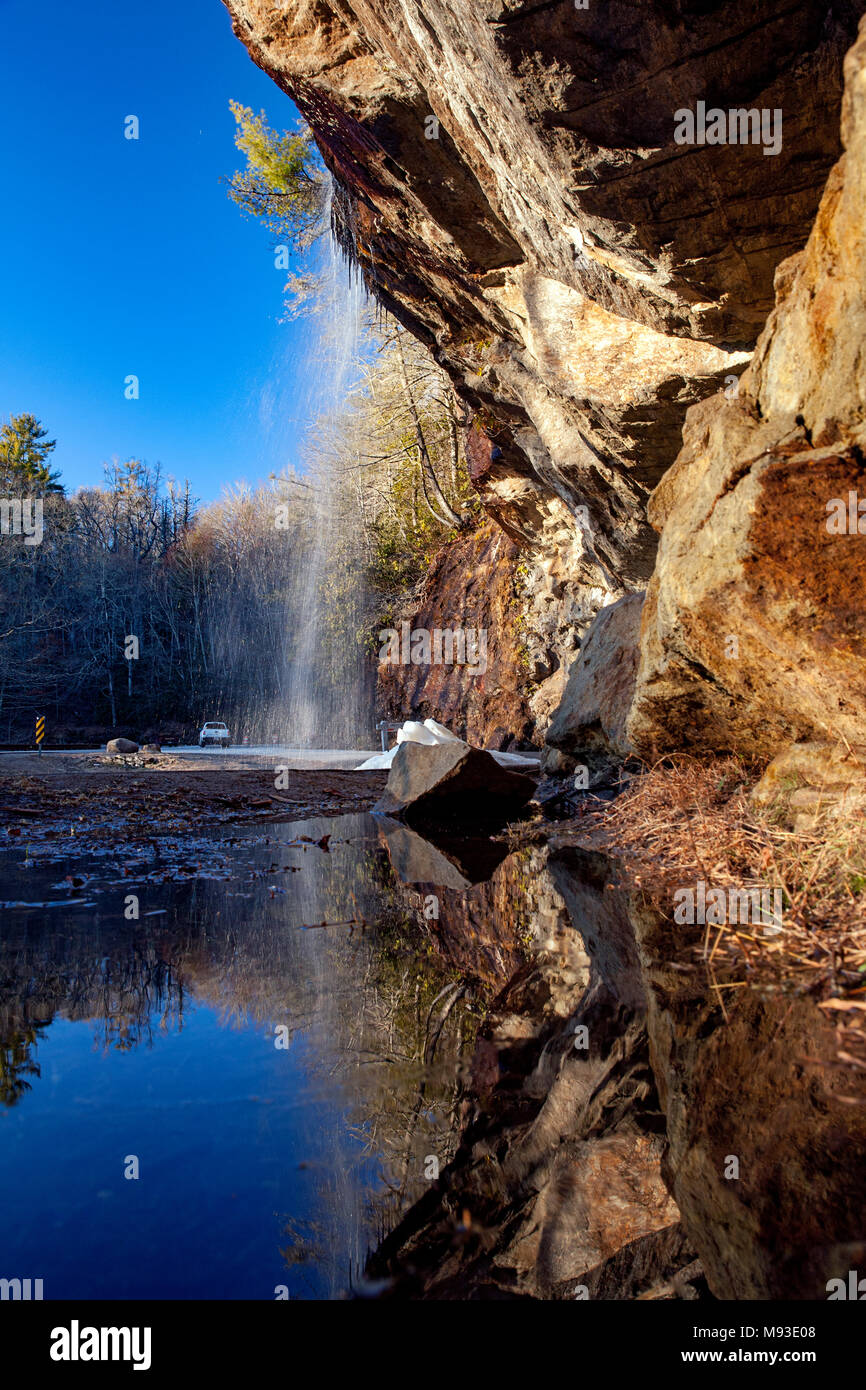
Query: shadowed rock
x: 590, y: 724
x: 452, y: 783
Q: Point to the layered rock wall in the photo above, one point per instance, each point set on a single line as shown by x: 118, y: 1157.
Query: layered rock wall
x: 509, y: 181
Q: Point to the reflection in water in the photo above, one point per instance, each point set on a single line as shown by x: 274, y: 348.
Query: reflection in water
x: 290, y: 1045
x: 280, y: 1047
x: 17, y: 1063
x: 640, y: 1126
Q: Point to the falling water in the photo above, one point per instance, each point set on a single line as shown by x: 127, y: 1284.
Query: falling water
x: 329, y: 701
x: 313, y: 686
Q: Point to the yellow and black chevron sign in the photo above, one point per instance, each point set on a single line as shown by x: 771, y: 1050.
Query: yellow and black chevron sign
x: 40, y: 728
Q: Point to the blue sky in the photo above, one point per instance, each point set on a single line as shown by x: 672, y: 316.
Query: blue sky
x: 120, y: 256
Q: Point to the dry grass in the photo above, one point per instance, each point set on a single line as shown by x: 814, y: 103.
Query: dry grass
x: 685, y: 820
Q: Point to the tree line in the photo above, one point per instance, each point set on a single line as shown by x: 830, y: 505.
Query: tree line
x: 141, y: 610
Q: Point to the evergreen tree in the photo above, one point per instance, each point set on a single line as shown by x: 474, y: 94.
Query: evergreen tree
x: 24, y: 452
x: 283, y: 184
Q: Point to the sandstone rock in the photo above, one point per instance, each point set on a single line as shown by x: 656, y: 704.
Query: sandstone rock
x: 471, y: 586
x: 452, y: 782
x: 120, y: 745
x: 809, y: 780
x: 753, y: 630
x: 590, y: 724
x: 821, y: 766
x: 509, y: 184
x: 151, y: 748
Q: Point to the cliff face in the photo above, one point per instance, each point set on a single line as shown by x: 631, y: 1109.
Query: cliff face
x: 476, y: 585
x: 753, y: 630
x: 513, y: 191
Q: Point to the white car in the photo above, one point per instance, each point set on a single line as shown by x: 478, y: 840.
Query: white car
x: 214, y: 733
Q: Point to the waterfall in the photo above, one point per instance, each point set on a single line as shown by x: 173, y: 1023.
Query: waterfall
x: 329, y: 702
x: 304, y: 681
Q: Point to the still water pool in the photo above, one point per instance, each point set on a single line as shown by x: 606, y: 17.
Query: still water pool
x: 273, y: 1081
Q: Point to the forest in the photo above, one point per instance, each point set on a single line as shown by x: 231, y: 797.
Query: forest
x: 143, y: 610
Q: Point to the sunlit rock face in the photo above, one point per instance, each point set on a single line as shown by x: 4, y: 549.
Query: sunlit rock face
x: 753, y: 629
x: 589, y: 727
x: 513, y: 190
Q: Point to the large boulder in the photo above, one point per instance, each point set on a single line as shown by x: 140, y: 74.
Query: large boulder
x: 452, y: 783
x: 753, y: 628
x: 116, y: 746
x: 590, y: 724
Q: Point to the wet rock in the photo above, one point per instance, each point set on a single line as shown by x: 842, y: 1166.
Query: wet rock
x: 590, y: 725
x: 470, y: 588
x: 753, y: 630
x: 117, y: 746
x: 452, y: 783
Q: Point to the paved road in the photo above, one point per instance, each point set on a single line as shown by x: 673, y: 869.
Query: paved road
x: 294, y: 757
x: 239, y: 757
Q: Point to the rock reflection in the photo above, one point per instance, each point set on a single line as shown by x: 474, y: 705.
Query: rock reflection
x: 556, y: 1190
x: 534, y: 1091
x: 638, y: 1126
x: 766, y: 1120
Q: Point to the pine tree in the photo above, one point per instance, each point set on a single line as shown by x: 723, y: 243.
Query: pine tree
x: 24, y: 451
x: 283, y: 183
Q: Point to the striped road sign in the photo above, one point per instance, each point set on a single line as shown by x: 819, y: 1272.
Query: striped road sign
x: 40, y: 728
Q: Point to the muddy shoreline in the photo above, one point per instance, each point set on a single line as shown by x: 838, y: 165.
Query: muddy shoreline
x: 135, y: 800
